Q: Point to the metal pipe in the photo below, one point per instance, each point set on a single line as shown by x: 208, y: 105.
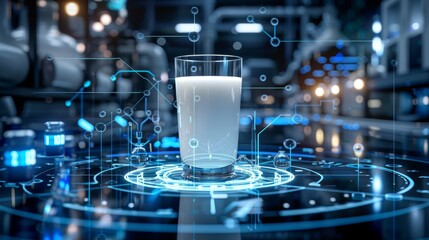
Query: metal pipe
x: 32, y: 42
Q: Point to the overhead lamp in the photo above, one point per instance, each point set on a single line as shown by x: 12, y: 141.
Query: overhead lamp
x: 187, y: 27
x: 248, y: 28
x: 72, y: 9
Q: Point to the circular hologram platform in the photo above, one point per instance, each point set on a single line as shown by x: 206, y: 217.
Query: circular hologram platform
x: 170, y: 176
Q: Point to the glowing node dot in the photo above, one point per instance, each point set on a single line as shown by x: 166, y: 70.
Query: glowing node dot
x: 263, y: 78
x: 288, y: 88
x: 289, y: 144
x: 88, y: 135
x: 131, y: 205
x: 275, y: 41
x: 113, y: 78
x: 193, y: 68
x: 100, y: 127
x: 194, y: 10
x: 358, y: 147
x: 140, y: 35
x: 262, y: 10
x: 68, y: 103
x: 118, y: 111
x: 250, y: 18
x: 128, y: 111
x: 193, y: 36
x: 312, y: 202
x: 157, y: 129
x: 102, y: 114
x: 264, y: 97
x: 155, y: 118
x: 193, y: 143
x: 146, y: 92
x: 274, y: 21
x: 286, y: 205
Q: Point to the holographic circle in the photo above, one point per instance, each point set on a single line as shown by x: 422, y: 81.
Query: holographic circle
x: 128, y: 111
x: 193, y: 143
x: 297, y: 118
x: 148, y: 112
x: 275, y: 41
x: 194, y: 10
x: 263, y: 78
x: 274, y: 21
x: 88, y: 135
x: 289, y: 144
x: 394, y: 63
x: 102, y: 114
x: 170, y: 86
x: 197, y: 98
x: 262, y: 10
x: 100, y: 127
x: 288, y: 88
x: 157, y: 129
x: 250, y: 18
x: 194, y: 36
x: 264, y: 97
x: 358, y: 148
x: 49, y: 58
x: 193, y: 68
x: 118, y: 111
x: 170, y: 176
x: 175, y: 104
x: 146, y: 92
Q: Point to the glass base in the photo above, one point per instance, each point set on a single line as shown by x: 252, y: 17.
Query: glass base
x: 208, y: 174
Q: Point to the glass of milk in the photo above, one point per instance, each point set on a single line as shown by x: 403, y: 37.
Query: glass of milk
x: 208, y: 92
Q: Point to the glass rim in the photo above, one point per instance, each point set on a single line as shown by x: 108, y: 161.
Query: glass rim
x: 189, y: 58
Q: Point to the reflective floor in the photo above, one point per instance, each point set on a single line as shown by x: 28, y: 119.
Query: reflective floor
x: 334, y: 179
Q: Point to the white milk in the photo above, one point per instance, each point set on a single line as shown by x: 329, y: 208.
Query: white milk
x: 208, y: 109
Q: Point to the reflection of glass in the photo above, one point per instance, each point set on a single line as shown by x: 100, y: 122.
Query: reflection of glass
x: 208, y: 89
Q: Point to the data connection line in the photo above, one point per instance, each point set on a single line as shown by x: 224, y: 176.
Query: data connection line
x: 131, y: 69
x: 275, y: 41
x: 260, y: 132
x: 114, y: 76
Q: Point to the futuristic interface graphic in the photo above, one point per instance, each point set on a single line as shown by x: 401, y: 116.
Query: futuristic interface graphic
x: 292, y: 177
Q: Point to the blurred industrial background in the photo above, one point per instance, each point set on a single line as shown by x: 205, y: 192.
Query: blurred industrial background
x: 370, y: 57
x: 357, y: 71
